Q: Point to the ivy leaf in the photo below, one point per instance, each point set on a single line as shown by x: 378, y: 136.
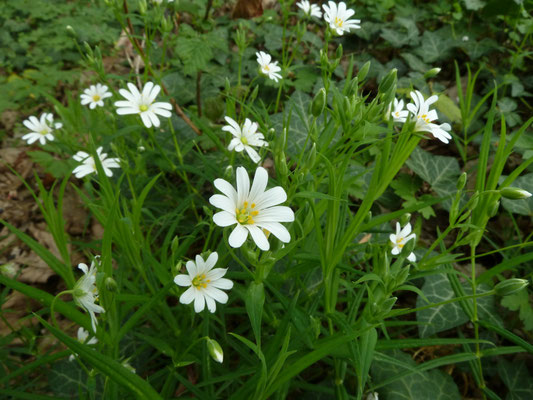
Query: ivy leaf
x: 437, y: 319
x: 516, y: 377
x: 67, y: 379
x: 524, y: 206
x: 433, y: 384
x: 474, y: 4
x: 520, y: 302
x: 435, y: 45
x: 439, y: 171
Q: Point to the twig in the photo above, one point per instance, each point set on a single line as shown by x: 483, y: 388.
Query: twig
x: 199, y: 92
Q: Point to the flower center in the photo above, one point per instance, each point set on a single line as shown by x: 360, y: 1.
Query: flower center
x: 143, y: 107
x: 339, y: 22
x: 200, y: 282
x: 96, y: 98
x: 266, y: 68
x: 44, y: 132
x: 244, y: 140
x: 245, y: 214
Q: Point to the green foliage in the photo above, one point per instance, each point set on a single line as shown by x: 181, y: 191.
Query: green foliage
x: 520, y: 302
x: 417, y: 385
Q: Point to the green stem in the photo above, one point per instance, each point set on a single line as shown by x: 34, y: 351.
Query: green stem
x: 475, y: 316
x: 52, y: 306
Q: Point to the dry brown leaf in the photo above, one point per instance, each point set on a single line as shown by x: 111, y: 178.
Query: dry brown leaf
x: 16, y: 307
x: 247, y: 9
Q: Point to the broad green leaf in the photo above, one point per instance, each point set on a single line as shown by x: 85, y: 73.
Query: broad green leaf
x: 448, y: 108
x: 437, y: 319
x: 415, y: 63
x: 109, y: 367
x: 520, y: 302
x: 517, y: 378
x: 435, y: 384
x: 474, y: 4
x: 68, y: 379
x: 439, y: 171
x: 299, y: 124
x: 435, y: 45
x: 524, y: 206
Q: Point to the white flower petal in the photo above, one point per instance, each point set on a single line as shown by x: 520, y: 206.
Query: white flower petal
x: 238, y: 236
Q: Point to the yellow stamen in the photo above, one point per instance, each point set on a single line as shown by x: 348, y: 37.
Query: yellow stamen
x: 339, y: 22
x: 96, y: 98
x: 253, y: 205
x: 143, y: 108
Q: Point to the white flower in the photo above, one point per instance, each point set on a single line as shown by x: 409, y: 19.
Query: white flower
x: 88, y: 165
x: 85, y: 292
x: 205, y: 283
x: 425, y: 117
x: 82, y: 338
x: 337, y: 16
x: 465, y: 38
x: 268, y: 68
x: 143, y: 104
x: 399, y: 240
x: 253, y: 210
x: 245, y: 138
x: 312, y: 10
x: 41, y: 129
x: 372, y: 396
x: 9, y: 269
x: 398, y: 114
x: 94, y: 96
x: 126, y: 364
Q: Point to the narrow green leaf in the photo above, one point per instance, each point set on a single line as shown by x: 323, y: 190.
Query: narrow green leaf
x: 254, y: 300
x: 106, y: 365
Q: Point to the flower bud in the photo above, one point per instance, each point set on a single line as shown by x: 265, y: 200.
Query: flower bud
x: 215, y: 351
x: 514, y: 193
x: 431, y: 73
x: 387, y: 305
x: 166, y: 24
x: 388, y: 81
x: 363, y: 72
x: 338, y: 52
x: 8, y: 270
x: 142, y: 7
x: 510, y: 286
x: 319, y: 103
x: 461, y: 182
x: 71, y: 32
x: 110, y: 284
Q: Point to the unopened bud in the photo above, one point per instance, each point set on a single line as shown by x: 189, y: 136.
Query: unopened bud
x: 363, y: 72
x: 461, y: 182
x: 319, y: 103
x: 215, y: 350
x: 110, y: 284
x: 387, y: 305
x: 431, y: 73
x: 166, y: 24
x: 388, y: 81
x: 510, y: 286
x: 71, y: 32
x: 514, y: 193
x: 338, y: 53
x: 143, y: 7
x: 8, y: 270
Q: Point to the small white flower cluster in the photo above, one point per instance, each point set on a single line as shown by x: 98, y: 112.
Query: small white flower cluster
x: 40, y: 129
x: 337, y: 16
x: 423, y: 116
